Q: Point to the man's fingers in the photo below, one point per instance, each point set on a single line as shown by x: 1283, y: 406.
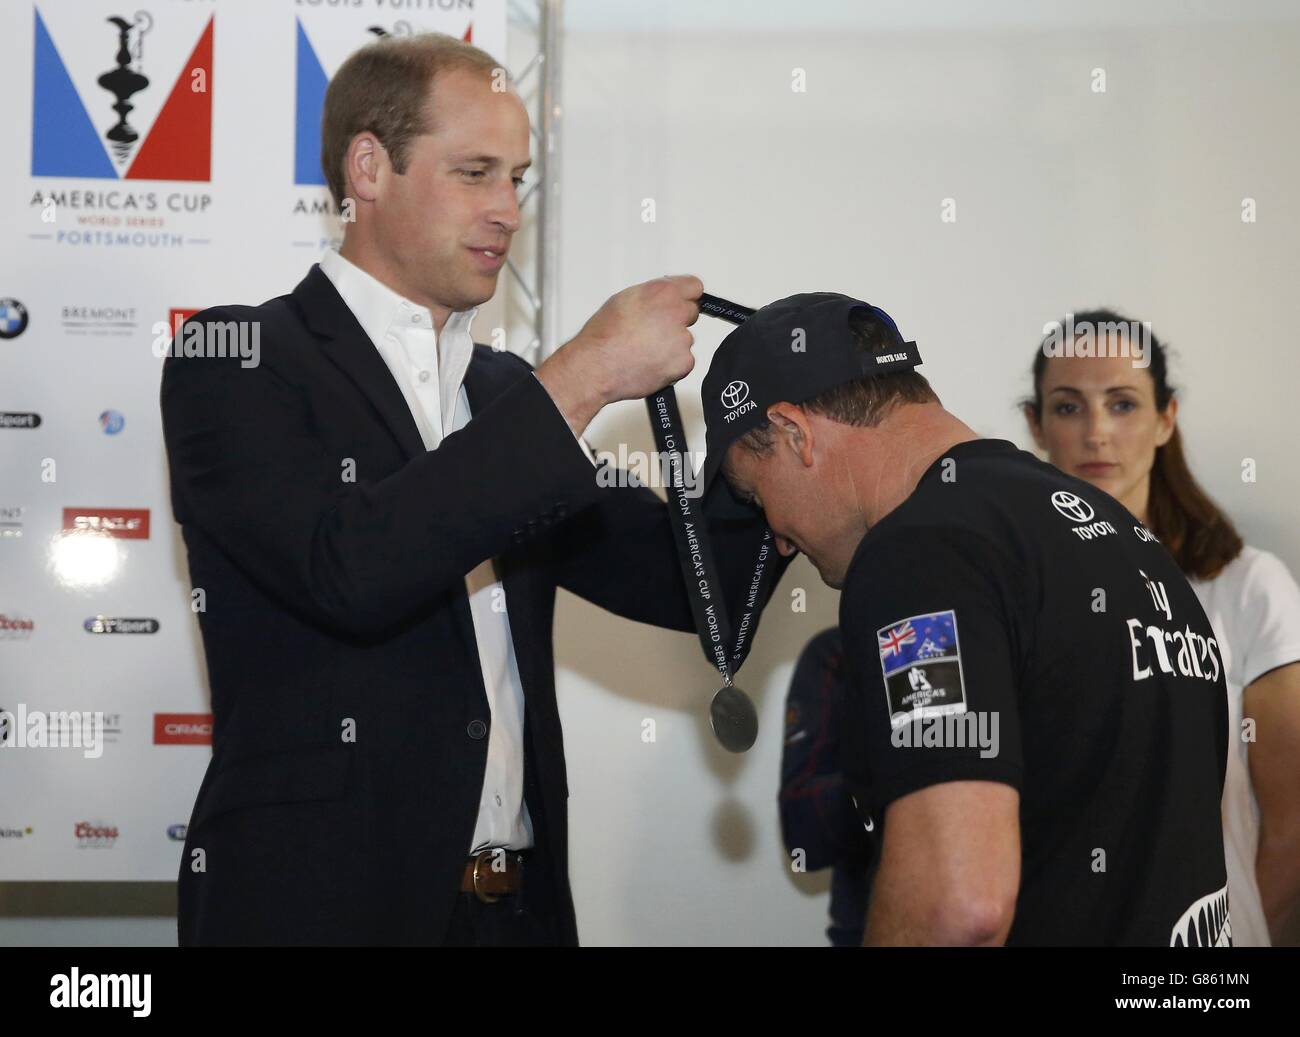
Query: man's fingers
x: 690, y: 286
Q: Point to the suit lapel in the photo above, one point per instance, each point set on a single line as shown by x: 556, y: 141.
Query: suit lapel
x: 344, y: 342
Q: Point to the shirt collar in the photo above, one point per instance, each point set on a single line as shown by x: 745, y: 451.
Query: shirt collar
x: 379, y: 309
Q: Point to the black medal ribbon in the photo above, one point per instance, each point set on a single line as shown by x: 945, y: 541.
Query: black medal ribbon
x: 734, y: 719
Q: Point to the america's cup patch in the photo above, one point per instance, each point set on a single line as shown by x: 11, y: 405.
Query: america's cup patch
x: 920, y: 658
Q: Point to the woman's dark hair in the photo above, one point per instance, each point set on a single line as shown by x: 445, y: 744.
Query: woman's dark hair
x: 1197, y: 533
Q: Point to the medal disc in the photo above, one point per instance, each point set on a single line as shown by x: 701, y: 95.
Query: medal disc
x: 734, y: 719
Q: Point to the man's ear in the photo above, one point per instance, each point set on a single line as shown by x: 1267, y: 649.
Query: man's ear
x: 793, y: 430
x: 361, y: 166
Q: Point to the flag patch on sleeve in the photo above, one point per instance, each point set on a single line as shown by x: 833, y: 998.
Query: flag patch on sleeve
x: 920, y: 659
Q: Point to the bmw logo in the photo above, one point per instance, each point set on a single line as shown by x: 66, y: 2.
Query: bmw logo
x: 13, y: 318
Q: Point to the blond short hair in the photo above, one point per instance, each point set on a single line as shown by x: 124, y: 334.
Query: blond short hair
x: 384, y: 88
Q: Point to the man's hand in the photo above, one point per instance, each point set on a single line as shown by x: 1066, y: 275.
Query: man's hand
x: 635, y: 344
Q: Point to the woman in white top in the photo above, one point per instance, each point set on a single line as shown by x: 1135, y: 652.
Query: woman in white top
x: 1108, y: 417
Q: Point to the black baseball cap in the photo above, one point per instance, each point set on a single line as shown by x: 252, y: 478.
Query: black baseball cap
x: 788, y: 351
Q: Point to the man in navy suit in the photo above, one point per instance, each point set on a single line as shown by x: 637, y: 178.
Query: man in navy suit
x: 379, y: 513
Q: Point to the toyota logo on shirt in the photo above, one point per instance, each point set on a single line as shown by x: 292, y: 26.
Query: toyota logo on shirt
x: 1072, y: 506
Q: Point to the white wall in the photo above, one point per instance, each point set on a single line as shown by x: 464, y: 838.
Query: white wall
x: 1066, y: 199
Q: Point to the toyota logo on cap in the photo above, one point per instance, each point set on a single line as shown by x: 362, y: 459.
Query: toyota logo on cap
x: 735, y: 394
x: 1072, y: 506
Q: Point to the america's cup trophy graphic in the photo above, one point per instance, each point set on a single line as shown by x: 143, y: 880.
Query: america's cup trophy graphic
x: 402, y: 28
x: 124, y: 81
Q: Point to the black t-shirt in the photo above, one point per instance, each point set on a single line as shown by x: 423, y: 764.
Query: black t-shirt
x: 1011, y: 623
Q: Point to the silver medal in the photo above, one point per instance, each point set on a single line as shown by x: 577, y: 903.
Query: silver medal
x: 734, y: 719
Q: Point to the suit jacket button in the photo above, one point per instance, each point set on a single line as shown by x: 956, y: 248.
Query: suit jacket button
x: 476, y: 729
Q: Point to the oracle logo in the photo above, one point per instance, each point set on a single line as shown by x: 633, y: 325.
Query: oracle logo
x: 126, y: 523
x: 182, y: 729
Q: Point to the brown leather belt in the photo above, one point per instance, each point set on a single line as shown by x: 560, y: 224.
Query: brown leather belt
x: 492, y: 874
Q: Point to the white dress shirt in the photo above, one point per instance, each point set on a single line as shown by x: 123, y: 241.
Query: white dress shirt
x: 431, y: 377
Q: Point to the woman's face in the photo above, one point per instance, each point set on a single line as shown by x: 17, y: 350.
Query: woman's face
x: 1100, y: 423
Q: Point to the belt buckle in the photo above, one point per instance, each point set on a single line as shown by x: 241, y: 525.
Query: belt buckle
x: 486, y: 898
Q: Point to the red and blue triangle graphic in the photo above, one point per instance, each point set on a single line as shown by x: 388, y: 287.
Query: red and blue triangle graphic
x: 66, y: 143
x: 64, y: 140
x: 179, y: 147
x: 309, y: 103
